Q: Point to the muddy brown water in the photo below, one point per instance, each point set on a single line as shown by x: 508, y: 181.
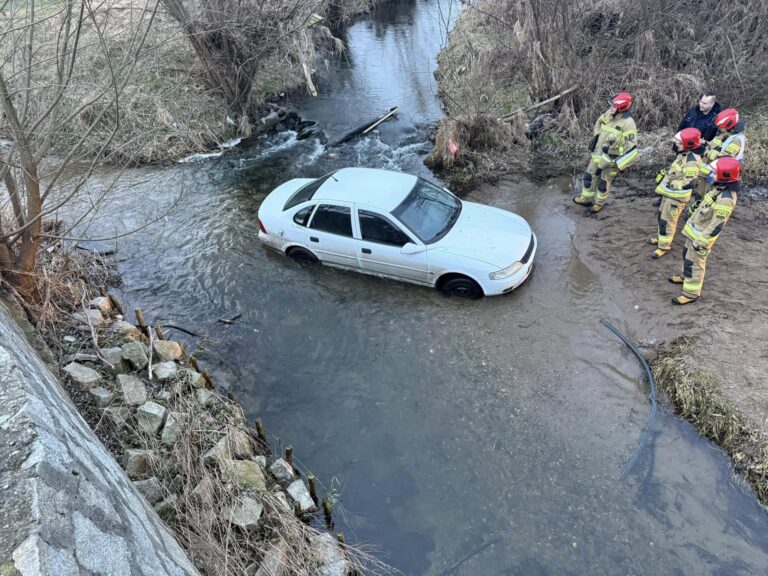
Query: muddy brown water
x: 465, y: 438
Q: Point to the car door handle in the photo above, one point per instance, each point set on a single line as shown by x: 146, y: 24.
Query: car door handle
x: 314, y: 239
x: 366, y: 250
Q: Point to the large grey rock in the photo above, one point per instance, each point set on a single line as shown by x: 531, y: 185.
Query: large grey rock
x: 125, y: 328
x: 282, y: 471
x: 136, y: 355
x: 245, y: 514
x: 164, y: 507
x: 274, y: 561
x: 205, y: 397
x: 280, y: 500
x: 150, y: 417
x: 236, y: 445
x: 194, y: 378
x: 98, y: 551
x: 298, y: 491
x: 165, y: 371
x: 82, y: 375
x: 102, y: 303
x: 137, y: 463
x: 114, y: 356
x: 245, y: 473
x: 174, y: 426
x: 93, y: 316
x: 204, y: 492
x: 34, y: 556
x: 118, y: 415
x: 167, y: 350
x: 133, y: 390
x: 329, y: 556
x: 151, y: 489
x: 101, y: 396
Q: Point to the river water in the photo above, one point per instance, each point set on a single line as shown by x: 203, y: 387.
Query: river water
x: 465, y: 438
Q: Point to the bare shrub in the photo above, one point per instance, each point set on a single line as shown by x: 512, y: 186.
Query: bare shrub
x: 507, y: 54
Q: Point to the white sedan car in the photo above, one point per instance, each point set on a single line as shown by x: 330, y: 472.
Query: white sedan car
x: 398, y: 226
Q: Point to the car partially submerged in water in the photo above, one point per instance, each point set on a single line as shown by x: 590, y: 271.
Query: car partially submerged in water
x: 398, y: 226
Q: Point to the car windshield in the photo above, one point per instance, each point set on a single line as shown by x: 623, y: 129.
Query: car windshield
x: 428, y: 211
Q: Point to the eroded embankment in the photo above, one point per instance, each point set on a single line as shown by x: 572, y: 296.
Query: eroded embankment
x: 189, y: 452
x: 698, y: 397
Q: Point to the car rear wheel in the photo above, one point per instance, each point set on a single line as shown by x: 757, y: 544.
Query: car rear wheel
x: 303, y: 258
x: 462, y: 287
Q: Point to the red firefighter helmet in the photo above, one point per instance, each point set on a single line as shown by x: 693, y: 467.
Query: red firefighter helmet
x: 622, y: 101
x: 727, y: 119
x: 727, y: 170
x: 690, y: 138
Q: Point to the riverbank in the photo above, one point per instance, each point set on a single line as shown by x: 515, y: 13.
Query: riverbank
x: 502, y: 60
x: 210, y: 476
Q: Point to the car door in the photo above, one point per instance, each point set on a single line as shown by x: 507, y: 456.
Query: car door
x: 330, y: 236
x: 381, y: 248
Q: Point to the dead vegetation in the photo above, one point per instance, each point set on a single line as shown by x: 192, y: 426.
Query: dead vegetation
x: 195, y: 492
x: 505, y: 55
x: 695, y: 396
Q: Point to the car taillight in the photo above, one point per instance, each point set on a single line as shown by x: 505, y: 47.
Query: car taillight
x: 261, y: 227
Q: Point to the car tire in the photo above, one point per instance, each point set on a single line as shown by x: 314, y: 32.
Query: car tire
x: 462, y: 287
x: 303, y: 258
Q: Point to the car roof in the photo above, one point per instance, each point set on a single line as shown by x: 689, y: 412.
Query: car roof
x: 382, y: 189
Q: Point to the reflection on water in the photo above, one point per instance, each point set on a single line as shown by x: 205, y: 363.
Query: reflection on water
x: 464, y: 438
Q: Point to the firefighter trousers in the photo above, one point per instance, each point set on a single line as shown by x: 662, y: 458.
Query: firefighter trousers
x: 597, y: 180
x: 667, y: 216
x: 694, y: 267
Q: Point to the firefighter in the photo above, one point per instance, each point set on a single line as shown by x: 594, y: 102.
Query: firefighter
x: 675, y: 187
x: 613, y: 148
x: 729, y: 142
x: 705, y: 225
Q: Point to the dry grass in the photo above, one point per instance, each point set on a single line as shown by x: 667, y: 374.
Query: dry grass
x: 507, y: 54
x: 695, y: 396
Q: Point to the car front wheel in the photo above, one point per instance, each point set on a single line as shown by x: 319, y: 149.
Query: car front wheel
x: 303, y: 258
x: 462, y: 287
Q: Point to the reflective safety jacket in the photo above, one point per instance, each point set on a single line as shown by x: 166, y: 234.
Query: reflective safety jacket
x: 681, y: 177
x: 728, y: 144
x: 706, y: 223
x: 616, y: 136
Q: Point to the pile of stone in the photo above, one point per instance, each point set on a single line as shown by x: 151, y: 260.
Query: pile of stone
x: 166, y: 415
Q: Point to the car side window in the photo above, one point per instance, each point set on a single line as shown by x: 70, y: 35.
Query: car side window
x: 374, y: 228
x: 333, y: 219
x: 302, y: 216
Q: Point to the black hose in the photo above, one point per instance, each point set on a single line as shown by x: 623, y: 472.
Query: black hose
x: 652, y: 415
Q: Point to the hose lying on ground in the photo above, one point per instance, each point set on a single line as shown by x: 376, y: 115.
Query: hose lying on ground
x: 652, y: 415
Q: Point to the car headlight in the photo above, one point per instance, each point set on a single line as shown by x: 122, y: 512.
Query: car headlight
x: 506, y: 272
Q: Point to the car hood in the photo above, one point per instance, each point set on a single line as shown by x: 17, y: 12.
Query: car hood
x: 491, y: 235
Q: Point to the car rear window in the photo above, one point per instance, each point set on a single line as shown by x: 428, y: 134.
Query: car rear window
x: 306, y: 192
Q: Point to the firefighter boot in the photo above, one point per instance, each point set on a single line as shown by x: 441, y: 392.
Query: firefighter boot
x: 582, y: 201
x: 659, y: 253
x: 676, y: 279
x: 596, y: 208
x: 683, y: 299
x: 653, y: 241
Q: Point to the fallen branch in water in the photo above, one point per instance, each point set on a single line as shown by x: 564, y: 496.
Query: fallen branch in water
x: 508, y: 117
x: 229, y: 320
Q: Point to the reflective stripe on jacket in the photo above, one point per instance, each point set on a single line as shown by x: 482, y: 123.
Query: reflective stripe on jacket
x: 706, y: 223
x: 681, y: 177
x: 727, y: 145
x: 618, y: 133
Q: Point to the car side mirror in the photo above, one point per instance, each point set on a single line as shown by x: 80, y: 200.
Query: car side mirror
x: 411, y: 248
